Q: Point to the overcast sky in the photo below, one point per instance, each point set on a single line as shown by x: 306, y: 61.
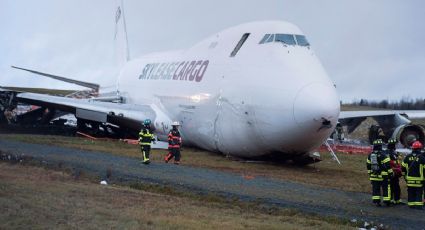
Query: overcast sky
x: 371, y: 48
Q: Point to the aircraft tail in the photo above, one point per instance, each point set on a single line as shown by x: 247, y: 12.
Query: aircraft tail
x: 122, y: 51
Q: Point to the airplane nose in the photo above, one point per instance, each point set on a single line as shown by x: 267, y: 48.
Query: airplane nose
x: 316, y: 105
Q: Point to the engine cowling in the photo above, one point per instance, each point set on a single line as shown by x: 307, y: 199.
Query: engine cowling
x: 406, y: 134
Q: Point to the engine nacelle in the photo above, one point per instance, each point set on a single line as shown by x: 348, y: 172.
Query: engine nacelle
x: 406, y: 134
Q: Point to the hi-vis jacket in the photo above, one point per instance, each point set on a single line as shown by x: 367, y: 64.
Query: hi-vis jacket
x: 413, y: 169
x: 145, y: 137
x: 384, y: 169
x: 174, y: 139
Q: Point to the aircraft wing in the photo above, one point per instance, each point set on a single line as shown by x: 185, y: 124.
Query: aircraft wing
x: 125, y: 115
x: 394, y: 123
x: 101, y: 109
x: 411, y: 114
x: 60, y: 78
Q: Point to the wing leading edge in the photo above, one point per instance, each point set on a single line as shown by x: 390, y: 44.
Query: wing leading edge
x: 410, y: 114
x: 93, y: 86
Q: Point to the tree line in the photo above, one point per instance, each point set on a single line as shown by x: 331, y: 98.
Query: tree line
x: 405, y: 103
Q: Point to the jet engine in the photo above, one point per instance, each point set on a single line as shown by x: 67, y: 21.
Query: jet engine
x: 406, y: 134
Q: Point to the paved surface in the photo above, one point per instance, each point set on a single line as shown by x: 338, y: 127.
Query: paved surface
x: 265, y: 191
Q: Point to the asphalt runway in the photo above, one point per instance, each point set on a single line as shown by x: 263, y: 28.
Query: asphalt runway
x: 266, y: 192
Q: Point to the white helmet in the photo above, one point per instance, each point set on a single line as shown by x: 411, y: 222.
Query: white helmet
x: 176, y: 123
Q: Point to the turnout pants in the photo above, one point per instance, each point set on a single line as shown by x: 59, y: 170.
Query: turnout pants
x: 174, y: 152
x: 376, y: 191
x: 146, y: 149
x: 414, y: 196
x: 395, y: 190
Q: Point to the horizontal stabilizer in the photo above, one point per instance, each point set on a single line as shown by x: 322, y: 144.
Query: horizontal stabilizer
x: 80, y: 83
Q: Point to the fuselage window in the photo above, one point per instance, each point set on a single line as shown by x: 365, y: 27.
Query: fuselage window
x: 302, y: 41
x: 240, y: 44
x: 264, y: 39
x: 287, y: 39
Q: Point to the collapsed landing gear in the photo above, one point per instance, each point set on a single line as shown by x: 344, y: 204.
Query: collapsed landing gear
x: 300, y: 160
x: 304, y: 160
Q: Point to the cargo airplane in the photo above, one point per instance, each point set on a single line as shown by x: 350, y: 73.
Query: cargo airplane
x: 253, y: 90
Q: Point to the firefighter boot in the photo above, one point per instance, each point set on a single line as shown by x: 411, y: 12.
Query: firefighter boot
x: 168, y: 157
x: 145, y: 158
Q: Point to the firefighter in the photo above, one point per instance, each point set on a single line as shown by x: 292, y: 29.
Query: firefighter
x: 379, y: 170
x: 174, y: 144
x: 413, y: 169
x: 423, y: 184
x: 145, y: 139
x: 396, y: 167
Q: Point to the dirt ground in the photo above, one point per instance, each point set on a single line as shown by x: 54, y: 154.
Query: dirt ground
x: 45, y: 199
x: 263, y: 191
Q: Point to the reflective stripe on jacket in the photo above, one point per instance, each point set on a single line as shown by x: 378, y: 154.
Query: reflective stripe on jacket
x: 145, y: 137
x: 174, y: 139
x: 413, y: 167
x: 384, y: 167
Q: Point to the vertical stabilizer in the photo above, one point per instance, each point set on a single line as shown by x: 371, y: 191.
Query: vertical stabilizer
x: 122, y: 52
x: 121, y: 42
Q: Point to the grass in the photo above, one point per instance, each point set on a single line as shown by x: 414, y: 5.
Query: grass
x: 40, y: 198
x: 350, y: 176
x: 419, y: 121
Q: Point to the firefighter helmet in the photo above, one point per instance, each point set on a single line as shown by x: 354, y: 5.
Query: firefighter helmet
x: 176, y: 123
x: 377, y: 142
x: 147, y: 122
x: 417, y: 145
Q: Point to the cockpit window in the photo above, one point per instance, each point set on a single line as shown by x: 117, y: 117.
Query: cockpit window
x: 271, y: 38
x: 264, y: 38
x: 286, y: 38
x: 240, y: 44
x: 301, y: 40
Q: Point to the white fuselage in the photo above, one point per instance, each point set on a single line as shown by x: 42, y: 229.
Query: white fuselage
x: 268, y: 98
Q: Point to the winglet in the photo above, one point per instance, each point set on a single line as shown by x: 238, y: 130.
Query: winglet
x: 80, y: 83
